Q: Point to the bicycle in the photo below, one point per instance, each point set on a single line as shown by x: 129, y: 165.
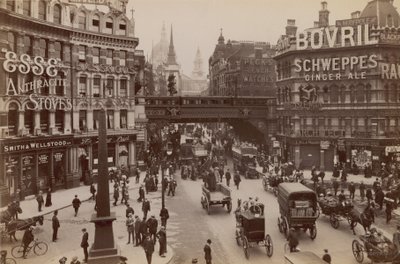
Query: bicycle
x: 5, y: 260
x: 39, y: 248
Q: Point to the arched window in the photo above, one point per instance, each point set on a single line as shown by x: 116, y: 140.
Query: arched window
x: 13, y: 119
x: 29, y: 118
x: 109, y: 87
x: 96, y: 23
x: 57, y: 14
x: 123, y: 88
x: 122, y: 27
x: 26, y: 7
x: 109, y: 25
x: 82, y: 20
x: 11, y: 5
x: 326, y: 94
x: 334, y: 94
x: 82, y: 86
x: 42, y: 10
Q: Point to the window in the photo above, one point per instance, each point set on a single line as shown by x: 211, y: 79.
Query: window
x: 57, y: 14
x: 360, y: 93
x: 122, y: 58
x: 82, y: 120
x: 13, y: 119
x: 123, y: 88
x: 60, y: 84
x: 27, y: 45
x: 12, y: 44
x: 44, y: 121
x: 11, y: 5
x: 96, y: 23
x: 96, y: 55
x: 123, y: 118
x: 60, y: 120
x: 96, y: 86
x: 42, y: 9
x: 82, y: 20
x: 110, y: 119
x: 122, y: 27
x: 57, y: 50
x: 110, y: 87
x: 96, y: 114
x: 82, y: 53
x: 26, y: 7
x: 29, y: 119
x: 109, y: 26
x: 109, y: 59
x: 82, y: 86
x: 44, y: 48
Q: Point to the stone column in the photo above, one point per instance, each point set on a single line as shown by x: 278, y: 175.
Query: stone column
x: 116, y: 154
x: 67, y: 122
x: 117, y: 120
x: 89, y: 119
x: 132, y: 157
x: 322, y: 160
x: 90, y: 156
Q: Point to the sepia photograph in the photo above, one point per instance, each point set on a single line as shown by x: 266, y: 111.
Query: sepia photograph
x: 199, y: 131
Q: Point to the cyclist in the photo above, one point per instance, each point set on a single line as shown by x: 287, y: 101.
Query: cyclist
x: 27, y: 239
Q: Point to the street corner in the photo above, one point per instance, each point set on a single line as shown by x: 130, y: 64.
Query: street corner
x: 137, y: 254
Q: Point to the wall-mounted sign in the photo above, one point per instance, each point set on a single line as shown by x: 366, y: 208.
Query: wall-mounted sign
x: 35, y: 145
x: 103, y: 68
x: 390, y: 71
x: 356, y: 21
x: 389, y: 38
x: 276, y: 144
x: 303, y: 106
x: 43, y: 158
x: 110, y: 139
x: 325, y: 144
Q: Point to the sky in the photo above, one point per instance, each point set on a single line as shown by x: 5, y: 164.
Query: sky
x: 197, y: 23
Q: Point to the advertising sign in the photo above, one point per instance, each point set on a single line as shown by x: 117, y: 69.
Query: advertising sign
x: 35, y: 145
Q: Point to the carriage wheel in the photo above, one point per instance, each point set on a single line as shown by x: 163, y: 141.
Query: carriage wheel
x: 280, y: 225
x: 313, y: 232
x: 10, y: 261
x: 286, y: 228
x: 229, y: 206
x: 357, y: 251
x: 246, y: 247
x: 334, y: 221
x: 40, y: 248
x: 268, y: 246
x: 17, y: 251
x: 238, y: 237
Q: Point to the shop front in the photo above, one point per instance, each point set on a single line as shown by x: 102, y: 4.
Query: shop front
x: 31, y: 165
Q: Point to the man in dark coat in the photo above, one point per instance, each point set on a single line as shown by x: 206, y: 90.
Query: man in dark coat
x: 76, y: 203
x: 138, y: 225
x: 172, y: 187
x: 237, y: 180
x: 293, y: 241
x: 326, y: 257
x: 143, y: 230
x: 93, y: 191
x: 145, y: 207
x: 344, y: 174
x: 162, y: 239
x: 362, y: 191
x: 164, y: 215
x: 116, y: 195
x: 207, y: 252
x: 152, y: 225
x: 369, y: 196
x: 379, y: 197
x: 148, y: 246
x: 85, y: 244
x: 352, y: 190
x: 27, y: 239
x: 227, y: 177
x: 335, y: 186
x: 129, y: 210
x: 141, y: 194
x: 40, y: 200
x: 56, y: 225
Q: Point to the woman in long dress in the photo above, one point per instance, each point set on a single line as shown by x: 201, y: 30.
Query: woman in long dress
x: 48, y: 198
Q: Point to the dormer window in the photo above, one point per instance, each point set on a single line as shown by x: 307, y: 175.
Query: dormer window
x: 96, y: 23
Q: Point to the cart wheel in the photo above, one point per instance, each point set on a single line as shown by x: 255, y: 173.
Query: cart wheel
x: 334, y: 221
x: 238, y: 237
x: 280, y: 225
x: 313, y: 232
x: 246, y: 247
x: 17, y: 251
x: 229, y: 206
x: 268, y: 246
x: 286, y: 228
x: 357, y: 251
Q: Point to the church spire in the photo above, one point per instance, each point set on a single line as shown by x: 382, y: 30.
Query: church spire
x: 171, y: 60
x: 198, y: 66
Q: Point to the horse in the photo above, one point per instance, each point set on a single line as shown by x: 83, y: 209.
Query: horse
x: 9, y: 214
x: 22, y: 224
x: 365, y: 218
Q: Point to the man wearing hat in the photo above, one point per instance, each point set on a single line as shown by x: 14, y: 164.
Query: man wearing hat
x: 152, y: 225
x: 207, y: 252
x: 56, y: 225
x: 130, y: 227
x: 85, y: 244
x: 138, y: 224
x: 27, y: 239
x: 148, y: 246
x: 396, y: 238
x: 162, y: 239
x: 326, y: 257
x: 293, y: 241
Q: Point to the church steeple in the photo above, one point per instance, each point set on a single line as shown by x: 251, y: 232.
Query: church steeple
x: 198, y: 66
x: 171, y: 60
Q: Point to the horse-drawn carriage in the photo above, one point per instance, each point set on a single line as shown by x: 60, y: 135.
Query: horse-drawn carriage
x: 298, y: 208
x: 250, y: 230
x: 379, y: 249
x: 221, y: 195
x: 330, y: 206
x: 270, y: 182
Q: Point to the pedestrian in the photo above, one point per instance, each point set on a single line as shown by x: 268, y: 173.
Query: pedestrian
x: 162, y: 240
x: 376, y: 185
x: 292, y: 240
x: 48, y: 198
x: 172, y: 187
x: 143, y: 230
x: 396, y: 238
x: 145, y: 207
x: 85, y: 244
x: 221, y: 173
x: 362, y: 191
x: 207, y: 252
x: 335, y: 186
x: 148, y: 246
x: 141, y: 194
x: 344, y: 174
x: 369, y: 196
x: 152, y: 225
x: 326, y: 257
x: 62, y: 260
x: 227, y: 177
x: 75, y: 260
x: 93, y: 191
x: 27, y: 239
x: 352, y: 190
x: 116, y: 195
x: 39, y: 199
x: 379, y: 197
x: 55, y: 225
x: 164, y: 215
x: 123, y: 193
x: 138, y: 224
x: 322, y: 176
x: 236, y: 179
x: 129, y: 210
x: 76, y: 203
x: 130, y: 227
x: 137, y: 175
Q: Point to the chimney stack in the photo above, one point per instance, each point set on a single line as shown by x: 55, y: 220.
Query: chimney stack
x: 324, y: 15
x: 355, y: 14
x: 291, y: 28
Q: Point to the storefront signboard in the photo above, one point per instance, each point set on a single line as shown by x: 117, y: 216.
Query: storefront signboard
x: 26, y: 177
x: 392, y: 149
x: 356, y: 21
x: 110, y: 139
x: 35, y: 145
x: 43, y: 158
x: 325, y: 144
x: 103, y: 68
